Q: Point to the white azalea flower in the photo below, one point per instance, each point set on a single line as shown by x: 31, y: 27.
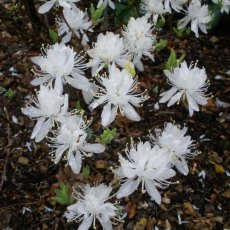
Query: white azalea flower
x: 177, y: 145
x: 118, y: 91
x: 139, y: 40
x: 188, y: 82
x: 49, y: 4
x: 92, y: 205
x: 146, y: 165
x: 108, y: 49
x: 60, y: 63
x: 155, y: 8
x: 71, y: 137
x: 78, y: 21
x: 198, y: 15
x: 105, y: 3
x: 49, y: 105
x: 224, y: 4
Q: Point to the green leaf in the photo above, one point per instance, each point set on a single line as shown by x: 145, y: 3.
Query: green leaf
x: 160, y: 23
x: 96, y: 14
x: 172, y: 61
x: 86, y: 171
x: 107, y: 136
x: 161, y: 44
x: 63, y: 195
x: 123, y: 12
x: 53, y: 36
x: 10, y: 94
x: 89, y: 132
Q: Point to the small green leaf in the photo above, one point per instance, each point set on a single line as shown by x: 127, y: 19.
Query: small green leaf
x: 89, y: 132
x: 53, y: 36
x: 130, y: 68
x: 160, y: 23
x: 107, y: 136
x: 86, y: 171
x: 172, y: 61
x: 63, y: 195
x: 161, y: 44
x: 96, y: 14
x: 10, y: 94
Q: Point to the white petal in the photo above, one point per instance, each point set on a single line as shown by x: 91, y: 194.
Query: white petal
x: 74, y: 161
x: 37, y: 128
x: 182, y: 166
x: 127, y: 188
x: 106, y: 225
x: 167, y: 95
x: 59, y: 152
x: 67, y: 38
x: 86, y: 223
x: 58, y: 86
x: 152, y: 191
x: 46, y: 7
x: 44, y: 130
x: 105, y: 115
x: 96, y: 103
x: 41, y: 80
x: 88, y: 94
x: 79, y: 82
x: 130, y: 113
x: 191, y: 104
x: 175, y: 98
x: 94, y: 148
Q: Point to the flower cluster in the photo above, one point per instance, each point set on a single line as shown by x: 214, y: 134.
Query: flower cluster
x: 113, y: 83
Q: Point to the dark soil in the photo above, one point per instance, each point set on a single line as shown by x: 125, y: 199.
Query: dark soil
x: 29, y: 178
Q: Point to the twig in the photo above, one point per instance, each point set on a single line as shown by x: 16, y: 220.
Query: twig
x: 9, y: 144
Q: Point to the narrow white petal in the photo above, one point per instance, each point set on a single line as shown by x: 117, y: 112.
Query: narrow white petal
x: 59, y: 152
x: 105, y: 115
x: 46, y: 7
x: 167, y: 95
x: 127, y: 188
x: 74, y: 161
x: 94, y: 148
x: 130, y: 113
x: 86, y: 223
x: 37, y: 128
x: 44, y: 130
x: 182, y: 166
x: 175, y: 98
x: 41, y: 80
x: 106, y: 225
x: 152, y: 191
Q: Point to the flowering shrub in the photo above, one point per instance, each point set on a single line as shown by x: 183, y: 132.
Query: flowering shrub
x: 112, y: 58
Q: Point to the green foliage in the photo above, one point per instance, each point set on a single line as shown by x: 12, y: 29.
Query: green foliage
x: 10, y: 94
x: 107, y: 136
x: 160, y: 23
x: 161, y: 45
x: 172, y: 61
x: 63, y: 195
x: 86, y: 171
x: 78, y: 107
x: 216, y: 14
x: 89, y: 132
x: 124, y: 10
x: 181, y: 32
x: 130, y: 68
x: 53, y: 35
x: 96, y: 14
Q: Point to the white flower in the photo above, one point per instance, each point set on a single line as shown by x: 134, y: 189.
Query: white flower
x: 155, y: 8
x: 108, y: 49
x: 177, y: 5
x: 146, y: 165
x: 71, y: 137
x: 49, y: 4
x: 78, y: 21
x: 92, y: 205
x: 49, y: 105
x: 224, y: 5
x: 118, y: 91
x: 104, y: 3
x: 188, y: 82
x: 198, y: 15
x: 60, y: 63
x: 139, y: 40
x: 177, y: 144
